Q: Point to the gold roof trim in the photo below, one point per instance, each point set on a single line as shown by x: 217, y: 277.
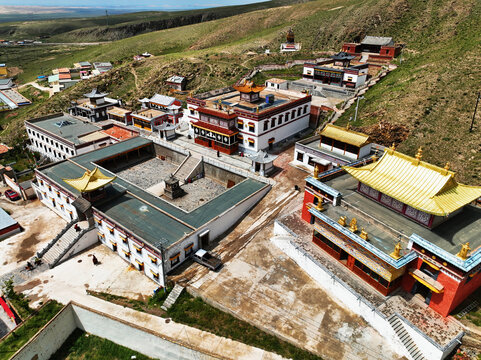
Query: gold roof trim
x: 90, y: 181
x: 416, y: 183
x: 345, y: 135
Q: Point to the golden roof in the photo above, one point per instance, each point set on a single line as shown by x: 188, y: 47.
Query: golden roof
x: 90, y: 181
x: 345, y: 135
x: 249, y: 86
x: 421, y: 185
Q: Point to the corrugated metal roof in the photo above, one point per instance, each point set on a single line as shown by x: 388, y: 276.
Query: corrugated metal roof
x: 6, y: 220
x: 377, y: 40
x: 345, y: 135
x: 162, y: 99
x: 421, y: 185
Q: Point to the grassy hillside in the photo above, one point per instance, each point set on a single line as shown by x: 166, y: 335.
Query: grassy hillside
x: 427, y: 101
x: 115, y: 27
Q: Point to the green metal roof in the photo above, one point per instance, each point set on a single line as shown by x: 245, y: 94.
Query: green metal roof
x: 140, y: 212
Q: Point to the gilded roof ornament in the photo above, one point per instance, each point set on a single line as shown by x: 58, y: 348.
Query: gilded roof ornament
x: 419, y: 154
x: 342, y: 221
x: 353, y: 225
x: 393, y: 146
x: 465, y: 249
x: 396, y: 254
x: 363, y: 234
x: 446, y: 167
x: 316, y: 172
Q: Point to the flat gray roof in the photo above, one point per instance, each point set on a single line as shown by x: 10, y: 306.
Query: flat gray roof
x: 449, y: 236
x: 139, y: 211
x: 70, y: 130
x: 6, y: 220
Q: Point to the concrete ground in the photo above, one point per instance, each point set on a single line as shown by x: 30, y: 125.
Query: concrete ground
x: 113, y: 275
x: 259, y: 284
x: 148, y: 173
x: 39, y: 226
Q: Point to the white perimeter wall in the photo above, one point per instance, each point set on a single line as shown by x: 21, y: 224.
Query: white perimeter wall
x: 45, y: 343
x: 350, y: 299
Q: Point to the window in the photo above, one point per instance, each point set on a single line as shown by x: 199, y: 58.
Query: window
x: 299, y: 111
x: 273, y: 122
x: 240, y: 124
x: 287, y: 116
x: 305, y: 109
x: 155, y: 275
x: 175, y: 259
x: 279, y: 122
x: 153, y: 259
x: 126, y: 253
x: 251, y: 143
x: 266, y: 125
x: 310, y: 161
x: 101, y: 236
x: 281, y: 117
x: 67, y: 200
x: 252, y: 127
x: 189, y: 249
x: 300, y: 157
x: 138, y: 249
x: 293, y: 114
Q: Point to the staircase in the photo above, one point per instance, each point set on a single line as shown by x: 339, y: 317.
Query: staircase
x: 61, y: 245
x: 406, y: 339
x: 171, y: 299
x: 187, y: 168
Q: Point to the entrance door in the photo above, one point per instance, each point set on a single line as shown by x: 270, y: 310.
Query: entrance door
x: 204, y: 239
x: 114, y: 247
x: 423, y: 291
x: 343, y: 257
x: 257, y: 167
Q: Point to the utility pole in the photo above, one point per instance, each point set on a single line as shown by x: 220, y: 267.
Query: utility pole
x: 475, y: 110
x: 357, y: 106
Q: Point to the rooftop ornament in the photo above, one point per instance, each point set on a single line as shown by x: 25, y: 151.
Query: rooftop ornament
x: 316, y: 172
x: 363, y: 234
x: 419, y: 154
x: 90, y: 181
x: 393, y: 147
x: 465, y: 249
x: 319, y: 206
x: 342, y: 221
x: 353, y: 225
x: 396, y: 254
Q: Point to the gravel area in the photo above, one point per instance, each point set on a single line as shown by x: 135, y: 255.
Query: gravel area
x: 148, y: 173
x: 198, y: 193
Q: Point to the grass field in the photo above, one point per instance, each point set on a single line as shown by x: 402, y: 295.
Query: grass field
x: 29, y: 328
x: 80, y: 345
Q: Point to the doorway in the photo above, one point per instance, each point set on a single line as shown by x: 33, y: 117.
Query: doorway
x: 343, y: 257
x: 422, y: 291
x: 204, y: 239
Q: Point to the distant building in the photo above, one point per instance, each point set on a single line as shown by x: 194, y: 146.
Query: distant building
x: 83, y: 65
x: 277, y: 84
x: 176, y: 82
x: 335, y: 146
x: 148, y: 119
x: 3, y: 71
x: 101, y: 67
x: 379, y: 47
x: 119, y: 133
x: 94, y: 106
x: 290, y: 45
x: 338, y: 72
x: 247, y: 117
x: 13, y: 99
x: 8, y: 225
x: 119, y: 114
x: 61, y: 136
x: 6, y: 84
x: 169, y: 105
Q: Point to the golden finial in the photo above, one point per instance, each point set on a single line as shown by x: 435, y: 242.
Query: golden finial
x: 316, y: 172
x: 342, y: 221
x: 319, y: 206
x: 375, y: 156
x: 348, y: 126
x: 446, y: 167
x: 363, y: 234
x: 465, y: 249
x: 353, y: 225
x: 257, y: 109
x: 396, y: 254
x: 419, y: 154
x: 393, y: 146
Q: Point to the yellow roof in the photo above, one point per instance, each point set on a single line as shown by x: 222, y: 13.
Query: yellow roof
x: 90, y: 181
x: 345, y: 135
x: 421, y: 185
x: 3, y: 71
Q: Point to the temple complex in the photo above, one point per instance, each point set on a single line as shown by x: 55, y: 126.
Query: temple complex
x: 397, y: 221
x: 167, y: 104
x: 376, y: 46
x: 247, y: 117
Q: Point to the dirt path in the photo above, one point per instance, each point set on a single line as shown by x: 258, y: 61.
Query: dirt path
x: 39, y: 87
x: 136, y: 79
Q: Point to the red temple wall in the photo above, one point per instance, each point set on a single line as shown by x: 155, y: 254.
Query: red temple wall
x: 465, y: 290
x: 308, y: 199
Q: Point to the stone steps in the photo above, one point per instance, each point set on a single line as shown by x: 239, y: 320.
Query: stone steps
x: 186, y: 168
x: 172, y: 298
x: 406, y: 339
x: 65, y: 242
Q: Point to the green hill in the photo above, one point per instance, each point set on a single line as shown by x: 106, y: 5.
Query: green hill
x: 428, y: 101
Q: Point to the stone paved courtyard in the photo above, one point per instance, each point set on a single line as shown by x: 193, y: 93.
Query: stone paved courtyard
x: 148, y: 173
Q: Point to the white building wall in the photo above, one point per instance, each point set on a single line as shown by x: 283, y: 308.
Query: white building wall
x: 55, y: 200
x: 279, y: 131
x: 365, y: 151
x: 49, y: 146
x: 88, y: 239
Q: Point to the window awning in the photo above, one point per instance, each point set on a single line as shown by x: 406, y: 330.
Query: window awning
x: 189, y: 247
x: 174, y: 257
x: 427, y: 281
